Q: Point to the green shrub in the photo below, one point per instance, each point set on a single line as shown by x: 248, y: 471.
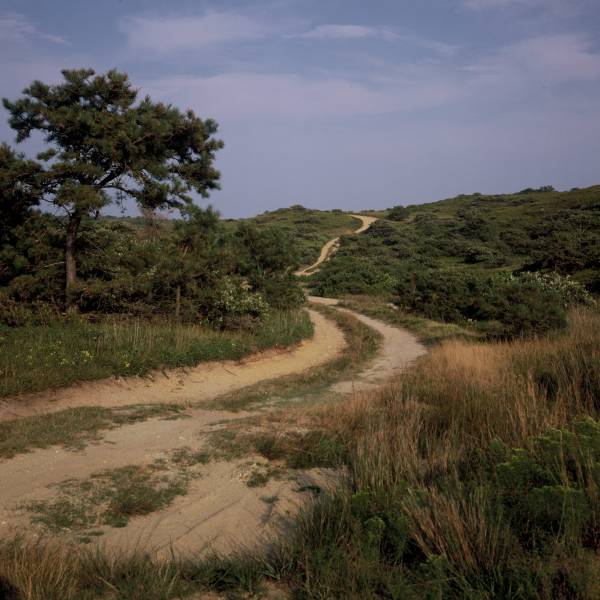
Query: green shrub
x: 521, y: 305
x: 232, y: 304
x: 552, y: 487
x: 398, y: 213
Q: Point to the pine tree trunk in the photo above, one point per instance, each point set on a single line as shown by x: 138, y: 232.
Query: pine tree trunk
x: 177, y: 302
x: 70, y: 261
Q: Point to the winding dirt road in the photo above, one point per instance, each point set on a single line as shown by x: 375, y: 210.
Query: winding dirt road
x: 200, y: 384
x: 219, y: 510
x: 332, y: 245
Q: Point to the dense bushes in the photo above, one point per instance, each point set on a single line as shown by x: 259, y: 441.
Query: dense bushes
x: 192, y: 269
x: 509, y: 263
x: 510, y: 305
x: 550, y: 488
x: 398, y: 213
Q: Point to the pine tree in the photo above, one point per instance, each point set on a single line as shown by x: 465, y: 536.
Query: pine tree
x: 106, y: 145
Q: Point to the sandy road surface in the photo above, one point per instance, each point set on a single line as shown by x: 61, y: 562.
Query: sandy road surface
x: 185, y: 386
x: 331, y: 246
x: 399, y: 349
x: 219, y: 512
x: 219, y: 508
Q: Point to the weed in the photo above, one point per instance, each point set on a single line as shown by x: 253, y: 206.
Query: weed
x: 270, y: 499
x: 113, y: 496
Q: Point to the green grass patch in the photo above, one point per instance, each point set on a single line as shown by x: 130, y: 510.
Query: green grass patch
x: 112, y: 497
x: 36, y: 358
x: 74, y: 427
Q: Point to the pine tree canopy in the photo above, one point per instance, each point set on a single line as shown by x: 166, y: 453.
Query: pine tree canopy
x: 102, y: 138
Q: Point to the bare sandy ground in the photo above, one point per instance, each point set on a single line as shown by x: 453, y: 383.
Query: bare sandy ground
x: 186, y: 386
x: 331, y: 246
x: 219, y: 511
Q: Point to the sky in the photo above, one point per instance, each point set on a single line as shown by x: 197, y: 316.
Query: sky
x: 348, y: 104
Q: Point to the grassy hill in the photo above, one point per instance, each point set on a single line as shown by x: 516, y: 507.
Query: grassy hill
x: 309, y: 228
x: 443, y: 259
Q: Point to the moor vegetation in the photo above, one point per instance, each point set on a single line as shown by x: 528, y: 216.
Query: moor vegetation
x: 309, y: 228
x: 508, y: 264
x: 475, y: 475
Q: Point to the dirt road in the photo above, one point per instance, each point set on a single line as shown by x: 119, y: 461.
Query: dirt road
x: 399, y: 349
x: 220, y: 510
x: 186, y: 386
x: 331, y: 246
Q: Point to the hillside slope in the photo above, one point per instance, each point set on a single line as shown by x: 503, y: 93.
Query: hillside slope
x: 309, y: 228
x: 455, y: 251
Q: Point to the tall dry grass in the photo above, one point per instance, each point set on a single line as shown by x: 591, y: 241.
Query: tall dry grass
x: 417, y: 450
x: 420, y: 514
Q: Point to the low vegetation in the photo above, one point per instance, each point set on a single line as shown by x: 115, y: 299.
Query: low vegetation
x: 507, y: 265
x: 73, y: 428
x: 309, y: 228
x: 475, y: 475
x: 112, y: 497
x: 38, y: 357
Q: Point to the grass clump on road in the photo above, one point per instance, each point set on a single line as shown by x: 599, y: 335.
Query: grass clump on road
x: 73, y: 427
x: 112, y: 497
x: 36, y: 358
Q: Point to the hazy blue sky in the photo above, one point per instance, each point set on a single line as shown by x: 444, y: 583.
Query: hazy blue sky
x: 345, y: 103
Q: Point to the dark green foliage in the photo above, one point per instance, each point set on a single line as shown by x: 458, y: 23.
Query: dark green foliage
x: 519, y: 304
x: 266, y: 258
x: 398, y: 213
x: 453, y: 259
x: 19, y: 192
x: 551, y: 488
x: 182, y: 269
x: 105, y: 145
x: 307, y: 229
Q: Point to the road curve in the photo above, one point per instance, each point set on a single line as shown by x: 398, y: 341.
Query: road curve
x: 204, y: 382
x: 331, y: 246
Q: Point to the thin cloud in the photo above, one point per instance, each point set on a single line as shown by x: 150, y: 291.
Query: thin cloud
x: 174, y: 34
x: 356, y: 32
x: 15, y: 27
x: 487, y: 4
x: 291, y: 96
x: 346, y: 32
x: 549, y: 59
x: 557, y: 7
